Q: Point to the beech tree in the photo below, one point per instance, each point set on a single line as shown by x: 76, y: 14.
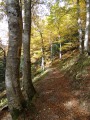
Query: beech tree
x: 87, y: 30
x: 43, y: 53
x: 27, y: 79
x: 55, y: 19
x: 40, y: 30
x: 81, y: 42
x: 14, y: 94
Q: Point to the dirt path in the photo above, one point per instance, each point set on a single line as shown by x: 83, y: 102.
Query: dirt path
x: 58, y: 101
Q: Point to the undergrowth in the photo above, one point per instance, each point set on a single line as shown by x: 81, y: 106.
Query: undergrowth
x: 77, y: 69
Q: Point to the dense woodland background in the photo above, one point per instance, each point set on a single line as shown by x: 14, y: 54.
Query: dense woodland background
x: 43, y: 35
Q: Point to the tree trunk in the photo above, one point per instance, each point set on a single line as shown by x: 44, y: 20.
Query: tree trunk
x: 51, y: 56
x: 60, y: 51
x: 42, y: 63
x: 51, y: 49
x: 87, y: 30
x: 81, y: 45
x: 27, y: 80
x: 14, y: 94
x: 43, y: 54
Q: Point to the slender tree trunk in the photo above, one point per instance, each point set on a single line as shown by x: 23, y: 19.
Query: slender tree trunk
x: 42, y: 62
x: 14, y: 94
x: 43, y: 54
x: 4, y: 62
x: 27, y: 80
x: 51, y: 52
x: 60, y: 51
x: 81, y: 45
x: 87, y: 30
x: 51, y: 48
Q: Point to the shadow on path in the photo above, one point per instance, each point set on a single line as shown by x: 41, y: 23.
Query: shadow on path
x: 57, y: 100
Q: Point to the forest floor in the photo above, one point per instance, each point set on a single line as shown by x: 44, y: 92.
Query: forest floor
x: 58, y: 99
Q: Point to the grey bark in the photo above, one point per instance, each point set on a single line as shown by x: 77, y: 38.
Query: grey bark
x: 81, y: 41
x: 60, y: 51
x: 42, y: 62
x: 60, y: 54
x: 87, y: 30
x: 43, y: 53
x: 14, y: 94
x: 27, y: 80
x: 51, y: 48
x: 51, y: 51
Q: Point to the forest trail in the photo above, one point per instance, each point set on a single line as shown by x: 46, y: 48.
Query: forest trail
x: 57, y: 100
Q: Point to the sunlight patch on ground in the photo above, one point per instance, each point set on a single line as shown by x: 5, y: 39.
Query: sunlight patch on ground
x: 70, y: 104
x: 77, y: 106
